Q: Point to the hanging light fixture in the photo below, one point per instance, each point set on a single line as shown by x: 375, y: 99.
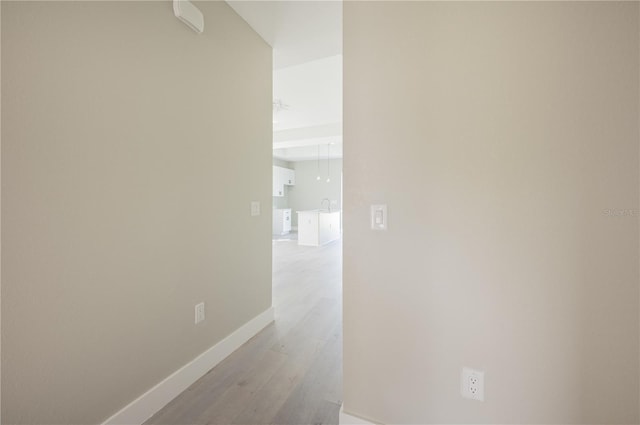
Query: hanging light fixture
x: 318, y: 178
x: 328, y: 174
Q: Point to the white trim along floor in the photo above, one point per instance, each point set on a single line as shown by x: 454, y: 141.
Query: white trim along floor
x: 291, y: 371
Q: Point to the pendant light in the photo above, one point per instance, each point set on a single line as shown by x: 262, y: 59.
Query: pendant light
x: 318, y: 178
x: 328, y: 174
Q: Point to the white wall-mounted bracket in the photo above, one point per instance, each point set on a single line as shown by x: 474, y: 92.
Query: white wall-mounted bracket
x: 189, y: 14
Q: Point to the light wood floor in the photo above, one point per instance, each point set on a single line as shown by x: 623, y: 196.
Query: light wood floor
x: 291, y: 372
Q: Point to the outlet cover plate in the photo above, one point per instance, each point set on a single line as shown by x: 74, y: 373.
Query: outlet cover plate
x: 255, y: 208
x: 379, y: 217
x: 199, y: 313
x: 472, y: 384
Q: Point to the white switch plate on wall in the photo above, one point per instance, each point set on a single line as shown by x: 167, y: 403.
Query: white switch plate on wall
x: 255, y: 208
x: 199, y: 313
x: 379, y: 217
x: 472, y: 384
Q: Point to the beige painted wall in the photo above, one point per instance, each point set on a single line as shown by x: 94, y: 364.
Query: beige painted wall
x: 504, y: 139
x: 308, y: 192
x: 128, y: 169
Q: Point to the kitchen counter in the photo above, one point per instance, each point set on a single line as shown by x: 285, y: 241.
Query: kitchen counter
x: 318, y: 227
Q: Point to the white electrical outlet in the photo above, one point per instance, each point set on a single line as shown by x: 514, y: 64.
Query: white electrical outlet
x: 199, y: 313
x: 472, y: 384
x: 255, y: 208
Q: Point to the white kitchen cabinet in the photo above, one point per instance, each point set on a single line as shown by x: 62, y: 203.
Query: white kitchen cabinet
x: 281, y: 177
x: 278, y: 185
x: 281, y: 221
x: 329, y: 230
x: 317, y: 227
x: 288, y: 177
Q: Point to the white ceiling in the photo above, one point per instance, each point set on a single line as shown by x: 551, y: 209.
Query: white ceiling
x: 298, y: 31
x: 306, y: 37
x: 312, y: 92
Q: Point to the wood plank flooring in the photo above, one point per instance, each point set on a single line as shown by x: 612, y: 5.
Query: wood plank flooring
x: 291, y: 372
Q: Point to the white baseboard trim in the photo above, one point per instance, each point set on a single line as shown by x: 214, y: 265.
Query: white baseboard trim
x: 347, y: 419
x: 157, y: 397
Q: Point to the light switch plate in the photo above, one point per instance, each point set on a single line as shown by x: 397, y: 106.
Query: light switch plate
x: 379, y: 217
x: 199, y: 313
x: 255, y: 208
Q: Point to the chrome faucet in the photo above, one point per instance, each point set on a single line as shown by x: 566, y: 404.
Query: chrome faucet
x: 328, y: 204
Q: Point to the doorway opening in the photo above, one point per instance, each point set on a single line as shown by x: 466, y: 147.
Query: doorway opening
x: 307, y: 153
x: 306, y: 38
x: 307, y: 225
